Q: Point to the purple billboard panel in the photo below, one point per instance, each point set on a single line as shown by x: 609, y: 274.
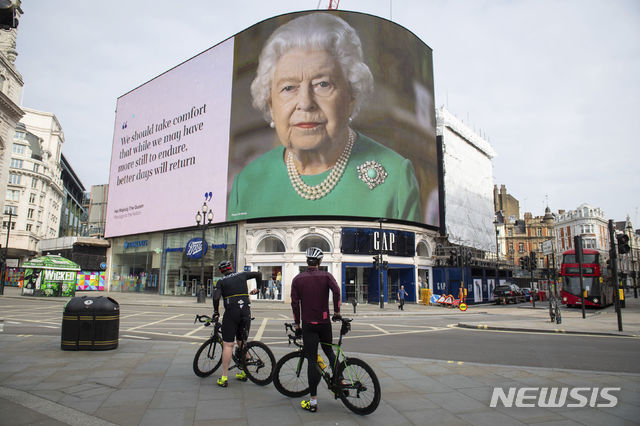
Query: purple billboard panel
x: 170, y: 146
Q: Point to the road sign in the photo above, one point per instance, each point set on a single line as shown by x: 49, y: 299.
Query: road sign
x: 463, y: 306
x: 547, y: 247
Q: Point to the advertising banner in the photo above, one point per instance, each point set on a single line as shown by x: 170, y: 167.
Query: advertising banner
x: 307, y: 114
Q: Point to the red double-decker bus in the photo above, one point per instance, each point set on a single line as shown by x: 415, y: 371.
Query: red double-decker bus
x: 598, y: 286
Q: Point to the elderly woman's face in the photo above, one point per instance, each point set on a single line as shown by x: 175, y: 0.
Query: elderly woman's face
x: 310, y: 100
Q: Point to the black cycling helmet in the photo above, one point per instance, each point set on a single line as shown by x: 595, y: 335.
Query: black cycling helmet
x: 314, y: 253
x: 225, y: 266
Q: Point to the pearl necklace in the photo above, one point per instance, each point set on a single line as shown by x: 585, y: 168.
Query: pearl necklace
x: 316, y: 192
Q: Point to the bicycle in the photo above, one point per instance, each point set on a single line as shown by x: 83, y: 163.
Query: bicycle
x: 254, y: 358
x: 353, y: 381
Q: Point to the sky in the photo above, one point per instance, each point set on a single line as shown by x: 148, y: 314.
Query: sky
x: 553, y: 85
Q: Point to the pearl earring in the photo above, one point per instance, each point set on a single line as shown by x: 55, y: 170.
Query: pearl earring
x: 272, y: 125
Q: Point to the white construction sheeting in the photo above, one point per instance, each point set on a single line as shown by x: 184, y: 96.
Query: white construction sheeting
x: 468, y: 184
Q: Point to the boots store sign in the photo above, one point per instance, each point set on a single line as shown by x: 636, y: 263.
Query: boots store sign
x: 374, y: 241
x: 196, y: 248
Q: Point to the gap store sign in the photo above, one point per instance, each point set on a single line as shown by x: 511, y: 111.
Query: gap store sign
x: 372, y: 240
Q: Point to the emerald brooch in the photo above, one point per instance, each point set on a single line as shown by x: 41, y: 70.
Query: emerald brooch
x: 372, y: 173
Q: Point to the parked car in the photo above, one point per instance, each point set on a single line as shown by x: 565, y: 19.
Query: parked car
x: 527, y: 294
x: 508, y: 293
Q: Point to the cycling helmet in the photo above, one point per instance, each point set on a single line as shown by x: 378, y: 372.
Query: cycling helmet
x: 314, y: 253
x: 225, y: 266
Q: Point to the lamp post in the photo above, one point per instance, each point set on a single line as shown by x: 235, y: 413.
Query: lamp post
x: 380, y: 278
x: 633, y: 266
x: 3, y: 271
x: 205, y: 215
x: 495, y: 224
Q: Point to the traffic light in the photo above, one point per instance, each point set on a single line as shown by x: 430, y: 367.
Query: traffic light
x: 534, y: 260
x: 453, y: 258
x: 375, y: 262
x: 8, y: 18
x: 623, y: 243
x: 385, y: 264
x: 468, y: 257
x: 524, y: 262
x: 609, y: 265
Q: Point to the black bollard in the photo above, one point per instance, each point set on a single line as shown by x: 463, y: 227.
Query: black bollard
x: 354, y: 302
x: 202, y: 295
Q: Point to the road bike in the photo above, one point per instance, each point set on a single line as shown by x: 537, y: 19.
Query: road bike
x: 254, y: 357
x: 353, y: 380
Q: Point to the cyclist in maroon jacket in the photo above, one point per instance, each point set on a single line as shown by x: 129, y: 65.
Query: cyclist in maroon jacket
x: 310, y: 294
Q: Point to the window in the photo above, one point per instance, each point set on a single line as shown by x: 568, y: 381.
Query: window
x: 13, y: 195
x: 11, y: 209
x: 16, y: 164
x: 5, y: 223
x: 510, y: 232
x: 422, y: 250
x: 14, y: 178
x: 314, y: 241
x: 34, y: 183
x: 539, y: 232
x: 32, y: 198
x: 19, y: 135
x: 520, y: 247
x: 28, y: 227
x: 30, y: 213
x: 271, y: 245
x: 36, y: 167
x: 19, y: 149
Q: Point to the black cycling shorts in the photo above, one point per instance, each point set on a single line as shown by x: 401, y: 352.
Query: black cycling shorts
x: 236, y: 324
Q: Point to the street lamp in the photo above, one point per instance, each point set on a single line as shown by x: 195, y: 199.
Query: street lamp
x: 380, y: 278
x: 3, y: 271
x: 205, y: 215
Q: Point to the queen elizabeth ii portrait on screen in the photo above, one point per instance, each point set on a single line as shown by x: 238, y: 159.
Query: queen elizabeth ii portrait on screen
x: 310, y: 84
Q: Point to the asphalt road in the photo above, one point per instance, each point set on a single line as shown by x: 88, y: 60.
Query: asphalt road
x: 421, y: 336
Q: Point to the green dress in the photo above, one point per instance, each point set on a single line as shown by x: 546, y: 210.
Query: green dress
x: 263, y: 188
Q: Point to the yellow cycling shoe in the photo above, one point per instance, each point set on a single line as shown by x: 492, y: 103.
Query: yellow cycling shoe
x: 306, y: 404
x: 241, y: 376
x: 222, y: 382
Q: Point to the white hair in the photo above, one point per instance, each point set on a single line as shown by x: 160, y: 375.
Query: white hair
x: 315, y: 31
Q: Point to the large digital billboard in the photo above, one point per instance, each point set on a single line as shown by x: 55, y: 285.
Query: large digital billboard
x: 308, y: 114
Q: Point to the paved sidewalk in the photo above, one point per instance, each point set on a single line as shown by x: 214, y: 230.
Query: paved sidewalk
x: 152, y: 382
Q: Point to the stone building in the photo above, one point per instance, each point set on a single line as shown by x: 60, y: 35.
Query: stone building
x: 10, y: 113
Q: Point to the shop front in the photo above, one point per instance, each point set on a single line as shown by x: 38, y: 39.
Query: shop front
x: 135, y: 265
x: 187, y: 258
x: 364, y: 282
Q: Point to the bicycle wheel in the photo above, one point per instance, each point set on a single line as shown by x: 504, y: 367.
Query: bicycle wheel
x: 258, y: 362
x: 290, y: 375
x: 360, y: 391
x: 208, y: 358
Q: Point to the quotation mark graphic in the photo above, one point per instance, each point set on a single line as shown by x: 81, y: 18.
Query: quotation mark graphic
x: 208, y: 196
x: 124, y: 125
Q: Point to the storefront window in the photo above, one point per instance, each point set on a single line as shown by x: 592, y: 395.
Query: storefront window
x: 182, y: 273
x: 271, y: 287
x: 136, y: 263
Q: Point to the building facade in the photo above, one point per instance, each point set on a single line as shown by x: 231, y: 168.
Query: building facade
x: 10, y: 113
x: 73, y: 215
x: 586, y: 221
x: 35, y: 192
x: 97, y: 210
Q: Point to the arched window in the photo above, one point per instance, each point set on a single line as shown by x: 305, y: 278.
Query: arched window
x: 422, y: 250
x: 314, y: 241
x: 271, y: 245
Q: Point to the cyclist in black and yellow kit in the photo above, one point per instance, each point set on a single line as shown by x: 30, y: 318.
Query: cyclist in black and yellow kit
x: 233, y: 289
